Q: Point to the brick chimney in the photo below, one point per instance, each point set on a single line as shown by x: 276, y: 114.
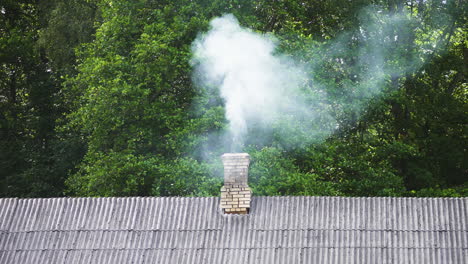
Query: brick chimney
x: 235, y: 194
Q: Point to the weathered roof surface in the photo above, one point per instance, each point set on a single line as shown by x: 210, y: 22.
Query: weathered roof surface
x: 193, y: 230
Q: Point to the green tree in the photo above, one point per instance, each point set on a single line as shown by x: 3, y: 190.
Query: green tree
x: 33, y: 160
x: 97, y: 98
x: 134, y: 97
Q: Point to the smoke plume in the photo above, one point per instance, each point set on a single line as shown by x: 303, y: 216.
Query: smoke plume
x: 262, y: 90
x: 269, y: 96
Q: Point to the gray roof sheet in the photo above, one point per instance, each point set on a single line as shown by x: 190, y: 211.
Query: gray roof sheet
x: 193, y: 230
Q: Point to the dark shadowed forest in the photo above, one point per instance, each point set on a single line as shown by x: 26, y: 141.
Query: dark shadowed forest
x: 103, y: 98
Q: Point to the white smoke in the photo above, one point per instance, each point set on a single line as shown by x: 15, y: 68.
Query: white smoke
x: 263, y: 91
x: 272, y: 99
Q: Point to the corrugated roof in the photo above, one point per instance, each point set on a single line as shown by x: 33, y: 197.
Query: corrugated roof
x: 193, y: 230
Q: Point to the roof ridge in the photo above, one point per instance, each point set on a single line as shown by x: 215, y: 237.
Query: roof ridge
x: 254, y: 196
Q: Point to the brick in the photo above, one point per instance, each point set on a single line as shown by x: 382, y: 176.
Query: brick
x: 239, y: 212
x: 238, y: 196
x: 244, y: 199
x: 226, y: 206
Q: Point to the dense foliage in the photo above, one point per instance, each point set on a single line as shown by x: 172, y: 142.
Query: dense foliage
x: 97, y: 99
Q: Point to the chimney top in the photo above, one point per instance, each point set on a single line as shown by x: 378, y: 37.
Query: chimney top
x: 235, y: 194
x: 235, y: 155
x: 236, y: 168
